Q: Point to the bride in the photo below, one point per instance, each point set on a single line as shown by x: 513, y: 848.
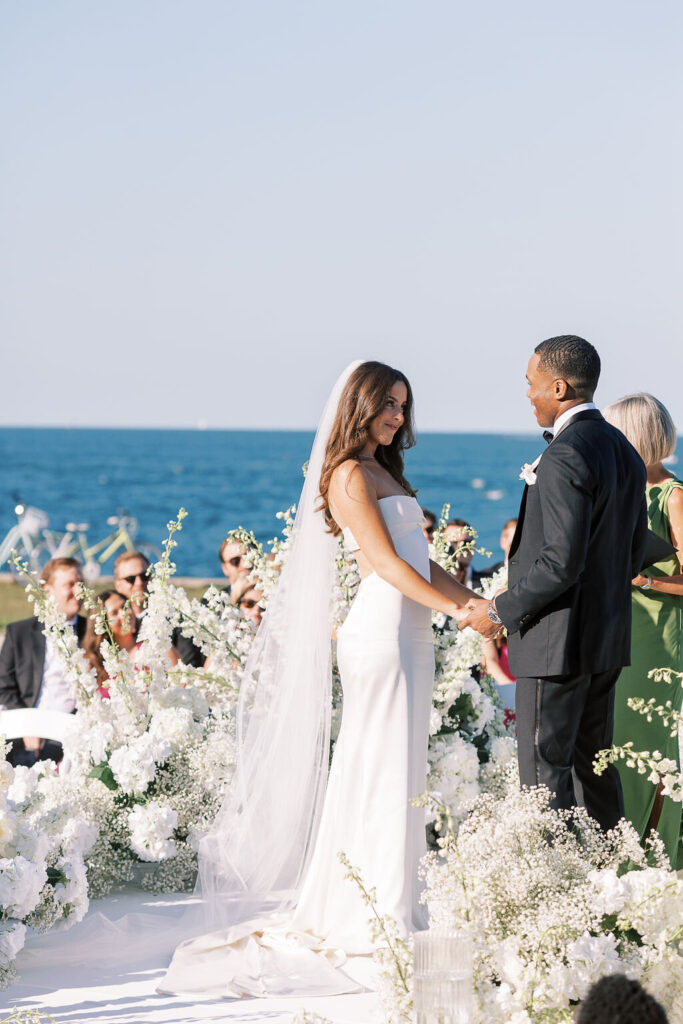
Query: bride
x: 283, y: 914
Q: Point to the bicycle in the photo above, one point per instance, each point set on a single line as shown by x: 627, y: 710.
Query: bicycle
x: 93, y: 556
x: 24, y: 536
x: 36, y: 544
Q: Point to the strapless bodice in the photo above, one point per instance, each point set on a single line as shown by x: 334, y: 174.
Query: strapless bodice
x: 402, y: 514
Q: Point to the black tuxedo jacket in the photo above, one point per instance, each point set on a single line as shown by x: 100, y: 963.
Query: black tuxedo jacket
x: 22, y: 661
x: 578, y: 544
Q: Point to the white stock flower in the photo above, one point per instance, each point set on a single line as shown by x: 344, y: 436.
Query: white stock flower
x: 8, y: 827
x: 20, y: 884
x: 134, y: 766
x: 611, y: 892
x: 12, y: 938
x: 23, y: 785
x: 151, y: 828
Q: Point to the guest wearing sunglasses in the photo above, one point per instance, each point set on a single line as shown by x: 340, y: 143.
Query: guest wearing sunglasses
x: 429, y: 525
x: 131, y: 580
x: 248, y: 599
x: 233, y: 561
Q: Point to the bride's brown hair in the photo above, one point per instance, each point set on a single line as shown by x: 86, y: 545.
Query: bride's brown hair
x: 363, y: 398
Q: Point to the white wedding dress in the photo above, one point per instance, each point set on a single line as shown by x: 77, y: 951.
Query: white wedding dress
x: 386, y: 661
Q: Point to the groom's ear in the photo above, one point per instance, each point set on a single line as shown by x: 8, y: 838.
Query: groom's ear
x: 562, y: 390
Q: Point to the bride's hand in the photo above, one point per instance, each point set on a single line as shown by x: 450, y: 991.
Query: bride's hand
x: 459, y: 614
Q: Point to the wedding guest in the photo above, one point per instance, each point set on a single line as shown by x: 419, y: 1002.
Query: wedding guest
x: 657, y: 600
x: 123, y: 626
x: 233, y: 561
x: 131, y: 580
x: 495, y: 652
x: 31, y: 671
x: 506, y: 535
x: 495, y: 664
x: 459, y: 536
x: 430, y: 525
x: 616, y: 999
x: 247, y: 597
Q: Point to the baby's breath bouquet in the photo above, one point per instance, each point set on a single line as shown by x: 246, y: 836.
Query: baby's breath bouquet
x: 552, y: 904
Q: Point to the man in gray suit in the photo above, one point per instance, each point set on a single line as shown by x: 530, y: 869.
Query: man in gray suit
x: 31, y: 672
x: 578, y: 543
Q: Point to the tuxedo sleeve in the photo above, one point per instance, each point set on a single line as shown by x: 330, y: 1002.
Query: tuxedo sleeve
x: 9, y: 687
x: 565, y: 491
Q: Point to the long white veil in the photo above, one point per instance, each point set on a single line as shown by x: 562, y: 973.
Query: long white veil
x: 253, y: 859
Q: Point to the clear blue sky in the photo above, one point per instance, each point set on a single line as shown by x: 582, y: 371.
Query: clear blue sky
x: 209, y: 207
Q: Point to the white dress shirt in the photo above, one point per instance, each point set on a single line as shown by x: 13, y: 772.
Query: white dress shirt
x: 564, y: 417
x: 55, y: 691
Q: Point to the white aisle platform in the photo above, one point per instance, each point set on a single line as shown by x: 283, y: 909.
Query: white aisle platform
x: 105, y: 971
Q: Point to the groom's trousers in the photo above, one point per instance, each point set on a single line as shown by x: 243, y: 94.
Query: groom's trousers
x: 562, y: 722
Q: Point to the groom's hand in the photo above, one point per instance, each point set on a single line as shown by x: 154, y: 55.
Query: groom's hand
x: 477, y: 617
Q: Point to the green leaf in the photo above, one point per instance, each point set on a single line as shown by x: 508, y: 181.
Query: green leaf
x: 55, y: 876
x: 104, y: 773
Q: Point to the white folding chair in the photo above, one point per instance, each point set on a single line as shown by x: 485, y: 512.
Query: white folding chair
x: 48, y: 725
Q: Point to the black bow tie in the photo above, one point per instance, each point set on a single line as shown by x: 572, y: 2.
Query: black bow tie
x: 548, y: 436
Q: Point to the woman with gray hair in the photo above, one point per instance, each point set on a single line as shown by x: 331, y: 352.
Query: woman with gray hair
x: 657, y: 621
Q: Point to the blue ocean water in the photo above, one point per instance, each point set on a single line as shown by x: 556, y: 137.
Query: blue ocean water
x: 233, y: 478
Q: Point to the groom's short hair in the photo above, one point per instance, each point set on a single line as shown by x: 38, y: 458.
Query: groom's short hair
x: 573, y: 359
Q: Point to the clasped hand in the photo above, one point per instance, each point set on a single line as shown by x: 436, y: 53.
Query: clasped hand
x: 475, y: 614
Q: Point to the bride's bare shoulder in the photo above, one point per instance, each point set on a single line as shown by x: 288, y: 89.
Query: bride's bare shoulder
x: 351, y: 480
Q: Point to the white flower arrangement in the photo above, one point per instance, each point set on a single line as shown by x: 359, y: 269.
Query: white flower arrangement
x: 145, y: 769
x: 42, y: 850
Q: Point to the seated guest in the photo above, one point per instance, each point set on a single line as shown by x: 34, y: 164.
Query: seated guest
x: 31, y: 671
x: 496, y: 651
x: 247, y: 597
x: 617, y: 999
x: 506, y: 535
x: 233, y: 561
x: 131, y: 581
x: 459, y: 536
x: 495, y: 664
x: 123, y: 626
x: 430, y: 525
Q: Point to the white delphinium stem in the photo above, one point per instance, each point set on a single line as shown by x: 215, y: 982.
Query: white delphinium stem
x: 393, y: 955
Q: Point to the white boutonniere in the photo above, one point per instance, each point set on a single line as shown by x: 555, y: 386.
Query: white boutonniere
x: 528, y: 474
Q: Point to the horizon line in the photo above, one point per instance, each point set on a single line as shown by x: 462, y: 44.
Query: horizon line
x: 234, y: 430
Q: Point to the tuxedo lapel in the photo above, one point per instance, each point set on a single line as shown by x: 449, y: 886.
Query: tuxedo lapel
x: 520, y: 521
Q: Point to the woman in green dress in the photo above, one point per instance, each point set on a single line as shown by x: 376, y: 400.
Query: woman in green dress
x: 657, y: 622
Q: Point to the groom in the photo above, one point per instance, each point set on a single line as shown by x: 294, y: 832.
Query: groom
x: 578, y: 544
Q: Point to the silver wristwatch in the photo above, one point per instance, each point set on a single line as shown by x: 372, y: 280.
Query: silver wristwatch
x: 494, y: 616
x: 648, y: 585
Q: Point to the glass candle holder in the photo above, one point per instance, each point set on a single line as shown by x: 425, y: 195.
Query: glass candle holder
x: 442, y: 977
